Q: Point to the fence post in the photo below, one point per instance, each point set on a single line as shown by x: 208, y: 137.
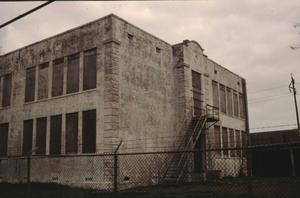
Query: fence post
x: 249, y: 171
x: 292, y: 162
x: 116, y: 168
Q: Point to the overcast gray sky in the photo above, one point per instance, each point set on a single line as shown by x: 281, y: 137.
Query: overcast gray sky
x: 251, y: 37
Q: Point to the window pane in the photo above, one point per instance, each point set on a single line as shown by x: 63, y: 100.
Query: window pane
x: 235, y: 104
x: 90, y: 69
x: 73, y: 74
x: 27, y: 137
x: 43, y: 81
x: 242, y: 106
x: 55, y: 134
x: 229, y: 101
x: 89, y: 131
x: 238, y: 142
x: 3, y: 139
x: 222, y: 98
x: 71, y: 132
x: 41, y: 128
x: 215, y: 94
x: 57, y: 77
x: 30, y: 84
x: 6, y: 95
x: 232, y: 142
x: 217, y: 144
x: 196, y: 80
x: 225, y: 140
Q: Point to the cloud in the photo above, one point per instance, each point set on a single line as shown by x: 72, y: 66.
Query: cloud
x: 251, y: 37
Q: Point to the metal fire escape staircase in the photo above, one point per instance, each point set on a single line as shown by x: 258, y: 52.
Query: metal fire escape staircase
x: 178, y: 165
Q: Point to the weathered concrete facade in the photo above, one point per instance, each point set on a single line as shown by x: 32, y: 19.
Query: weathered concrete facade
x: 143, y: 94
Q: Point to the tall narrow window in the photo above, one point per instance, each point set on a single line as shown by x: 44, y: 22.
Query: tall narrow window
x: 225, y: 140
x: 232, y: 142
x: 242, y: 106
x: 217, y: 141
x: 6, y: 94
x: 238, y: 142
x: 90, y: 69
x: 215, y: 94
x: 229, y: 101
x: 222, y: 98
x: 43, y: 81
x: 89, y: 131
x: 235, y: 104
x: 71, y: 132
x: 73, y: 74
x: 30, y: 84
x: 3, y: 139
x: 196, y: 83
x: 27, y: 137
x: 55, y: 134
x: 41, y: 128
x: 57, y: 77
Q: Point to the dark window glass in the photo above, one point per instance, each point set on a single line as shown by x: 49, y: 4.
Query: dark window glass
x: 73, y: 74
x: 222, y: 98
x: 90, y: 69
x: 3, y: 139
x: 215, y: 94
x: 6, y: 95
x: 217, y: 144
x: 55, y: 134
x: 232, y: 142
x: 57, y: 77
x: 30, y: 84
x: 229, y: 101
x: 235, y: 104
x: 89, y: 131
x: 238, y: 142
x: 43, y: 81
x: 27, y: 137
x: 225, y: 140
x: 41, y: 129
x: 242, y: 106
x: 71, y: 132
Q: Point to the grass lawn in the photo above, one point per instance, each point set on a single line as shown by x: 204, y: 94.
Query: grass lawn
x: 265, y: 188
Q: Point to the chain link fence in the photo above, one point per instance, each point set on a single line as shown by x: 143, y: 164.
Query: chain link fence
x: 259, y: 172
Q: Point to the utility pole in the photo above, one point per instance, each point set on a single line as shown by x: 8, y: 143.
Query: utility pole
x: 293, y: 90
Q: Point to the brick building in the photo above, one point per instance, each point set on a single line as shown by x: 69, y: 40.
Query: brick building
x: 85, y: 90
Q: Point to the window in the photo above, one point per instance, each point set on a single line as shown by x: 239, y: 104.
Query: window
x: 30, y: 84
x: 41, y: 129
x: 225, y: 140
x: 55, y: 134
x: 238, y: 142
x: 215, y: 94
x: 244, y: 142
x: 242, y: 106
x: 196, y: 83
x: 222, y: 98
x: 43, y: 81
x: 6, y: 94
x: 73, y: 74
x: 229, y: 101
x: 57, y: 77
x: 90, y: 69
x: 235, y: 104
x: 217, y: 144
x: 3, y: 139
x: 232, y: 142
x: 89, y: 131
x: 27, y: 137
x: 71, y: 132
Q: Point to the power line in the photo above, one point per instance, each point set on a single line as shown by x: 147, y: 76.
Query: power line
x: 25, y: 14
x: 268, y: 89
x: 269, y: 99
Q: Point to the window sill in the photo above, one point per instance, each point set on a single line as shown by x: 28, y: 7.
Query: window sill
x: 62, y: 96
x: 4, y: 108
